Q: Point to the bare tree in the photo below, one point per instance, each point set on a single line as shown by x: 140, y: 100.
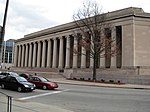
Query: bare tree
x: 94, y: 34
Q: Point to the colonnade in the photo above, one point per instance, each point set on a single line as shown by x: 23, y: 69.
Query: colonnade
x: 55, y: 53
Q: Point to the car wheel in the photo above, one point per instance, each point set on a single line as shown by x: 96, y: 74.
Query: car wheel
x: 19, y: 89
x: 2, y: 86
x: 44, y: 87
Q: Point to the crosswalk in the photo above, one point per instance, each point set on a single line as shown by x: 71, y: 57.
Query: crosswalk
x: 40, y: 95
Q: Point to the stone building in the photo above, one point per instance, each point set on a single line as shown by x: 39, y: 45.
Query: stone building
x: 52, y: 48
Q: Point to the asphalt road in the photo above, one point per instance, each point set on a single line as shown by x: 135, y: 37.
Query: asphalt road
x: 79, y: 98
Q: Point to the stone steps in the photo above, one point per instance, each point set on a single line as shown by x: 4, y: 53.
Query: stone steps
x: 45, y: 72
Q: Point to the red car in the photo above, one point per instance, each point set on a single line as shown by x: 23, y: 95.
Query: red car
x: 42, y: 82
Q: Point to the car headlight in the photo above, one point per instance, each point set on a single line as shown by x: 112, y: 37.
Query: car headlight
x: 26, y: 86
x: 53, y: 84
x: 34, y: 85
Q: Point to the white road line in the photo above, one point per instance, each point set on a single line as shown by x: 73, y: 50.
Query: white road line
x: 39, y: 95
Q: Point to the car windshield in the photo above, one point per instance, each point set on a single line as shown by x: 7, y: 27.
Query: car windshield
x: 44, y: 79
x: 21, y: 79
x: 14, y: 74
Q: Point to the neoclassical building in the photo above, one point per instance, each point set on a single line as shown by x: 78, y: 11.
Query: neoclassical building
x: 52, y: 48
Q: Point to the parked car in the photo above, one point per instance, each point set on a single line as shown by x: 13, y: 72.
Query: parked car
x: 4, y: 74
x: 42, y: 82
x: 25, y: 75
x: 16, y: 83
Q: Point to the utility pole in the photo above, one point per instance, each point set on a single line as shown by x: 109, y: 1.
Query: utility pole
x: 2, y: 33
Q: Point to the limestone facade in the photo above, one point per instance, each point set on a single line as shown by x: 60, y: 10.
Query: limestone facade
x: 53, y: 47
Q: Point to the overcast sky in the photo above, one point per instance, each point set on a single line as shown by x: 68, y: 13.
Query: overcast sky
x: 27, y: 16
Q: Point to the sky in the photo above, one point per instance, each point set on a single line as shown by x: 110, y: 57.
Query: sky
x: 28, y: 16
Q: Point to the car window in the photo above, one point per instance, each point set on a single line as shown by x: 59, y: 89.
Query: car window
x: 7, y: 78
x: 5, y: 74
x: 21, y: 79
x: 30, y: 78
x: 13, y: 79
x: 44, y: 79
x: 36, y: 79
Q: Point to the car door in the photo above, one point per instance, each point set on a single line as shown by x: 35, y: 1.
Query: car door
x: 13, y: 83
x: 6, y: 81
x: 37, y: 82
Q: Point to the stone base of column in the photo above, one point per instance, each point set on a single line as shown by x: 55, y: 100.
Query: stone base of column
x: 48, y: 67
x: 74, y: 67
x: 67, y: 66
x: 83, y: 67
x: 54, y: 67
x: 33, y: 66
x: 113, y: 67
x: 91, y: 66
x: 60, y: 67
x: 102, y: 67
x: 38, y: 67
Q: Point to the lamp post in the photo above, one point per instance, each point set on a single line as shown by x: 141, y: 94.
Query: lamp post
x: 2, y: 33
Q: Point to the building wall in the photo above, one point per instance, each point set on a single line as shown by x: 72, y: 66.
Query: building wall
x: 53, y: 47
x: 128, y: 45
x: 142, y: 42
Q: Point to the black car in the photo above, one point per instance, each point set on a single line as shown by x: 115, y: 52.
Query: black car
x: 16, y: 83
x: 4, y: 74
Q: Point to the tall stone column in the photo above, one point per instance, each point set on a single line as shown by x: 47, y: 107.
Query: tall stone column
x: 75, y: 55
x: 26, y: 56
x: 49, y: 53
x: 61, y: 53
x: 22, y: 61
x: 19, y: 58
x: 113, y: 58
x: 102, y: 57
x: 39, y: 54
x: 16, y: 56
x: 44, y: 53
x: 34, y: 55
x: 67, y: 65
x: 83, y: 56
x: 55, y: 54
x: 30, y: 55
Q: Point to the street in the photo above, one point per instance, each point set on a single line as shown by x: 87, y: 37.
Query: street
x: 79, y: 98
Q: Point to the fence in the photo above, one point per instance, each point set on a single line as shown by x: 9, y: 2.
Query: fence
x: 11, y: 104
x: 8, y: 102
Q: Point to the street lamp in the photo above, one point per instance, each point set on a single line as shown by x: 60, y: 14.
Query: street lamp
x: 2, y: 33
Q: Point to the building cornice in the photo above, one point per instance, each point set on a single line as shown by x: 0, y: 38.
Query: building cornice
x: 114, y: 15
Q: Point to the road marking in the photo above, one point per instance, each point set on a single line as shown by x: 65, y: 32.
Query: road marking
x: 39, y: 95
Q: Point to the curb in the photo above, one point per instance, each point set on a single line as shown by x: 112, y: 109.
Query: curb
x: 108, y: 86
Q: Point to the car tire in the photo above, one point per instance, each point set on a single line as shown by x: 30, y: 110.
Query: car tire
x: 44, y: 87
x: 19, y: 89
x: 3, y: 86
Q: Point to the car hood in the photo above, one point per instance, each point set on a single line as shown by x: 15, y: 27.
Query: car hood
x: 26, y: 83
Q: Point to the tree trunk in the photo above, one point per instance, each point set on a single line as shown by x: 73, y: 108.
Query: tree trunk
x: 94, y: 68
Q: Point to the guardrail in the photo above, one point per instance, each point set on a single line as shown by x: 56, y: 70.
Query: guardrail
x: 9, y: 102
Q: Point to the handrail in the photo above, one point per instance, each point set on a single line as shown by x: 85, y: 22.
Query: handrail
x: 9, y: 102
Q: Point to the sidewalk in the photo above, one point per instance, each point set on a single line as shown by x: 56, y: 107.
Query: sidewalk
x: 23, y: 106
x: 84, y: 83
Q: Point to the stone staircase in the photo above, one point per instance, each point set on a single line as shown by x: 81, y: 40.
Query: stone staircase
x: 45, y: 72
